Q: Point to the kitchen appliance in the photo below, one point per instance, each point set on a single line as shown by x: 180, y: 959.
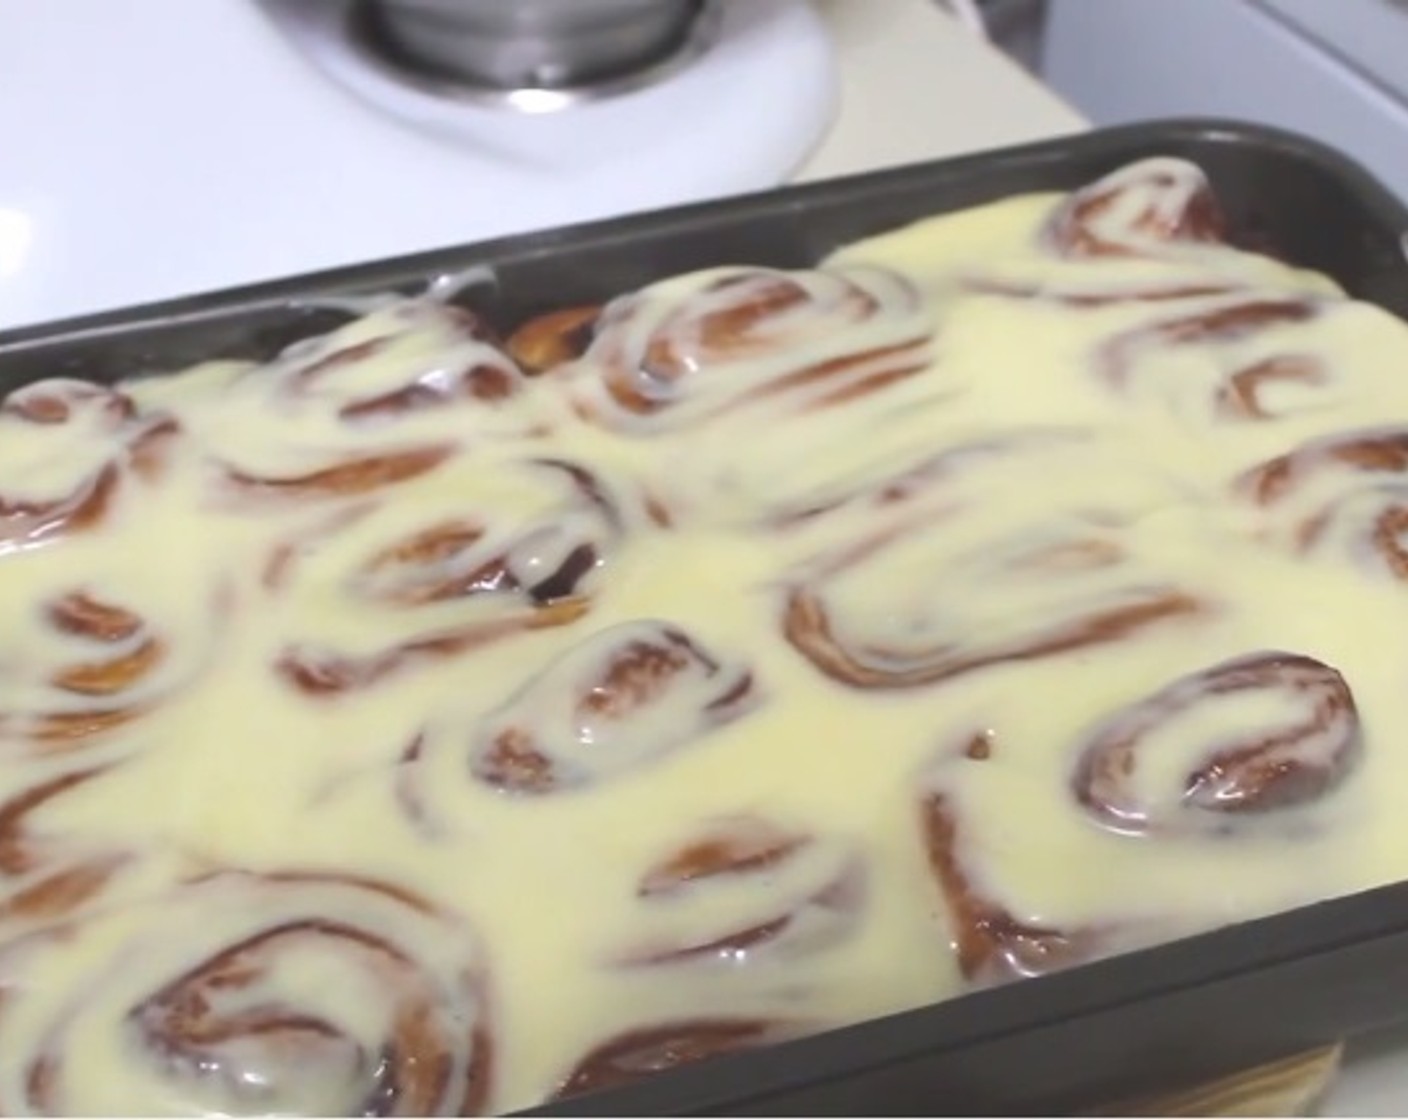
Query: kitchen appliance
x: 493, y: 50
x: 1172, y: 1015
x: 255, y: 138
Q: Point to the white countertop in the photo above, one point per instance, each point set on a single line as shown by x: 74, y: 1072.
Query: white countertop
x: 917, y: 85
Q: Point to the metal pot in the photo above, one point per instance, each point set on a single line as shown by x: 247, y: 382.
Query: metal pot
x: 531, y: 44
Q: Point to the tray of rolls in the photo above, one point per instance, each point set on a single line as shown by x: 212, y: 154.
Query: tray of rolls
x: 927, y: 642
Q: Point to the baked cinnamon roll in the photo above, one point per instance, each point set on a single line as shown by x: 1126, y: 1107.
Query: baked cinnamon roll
x: 66, y: 449
x: 990, y: 943
x: 289, y: 994
x: 1342, y: 496
x: 85, y: 663
x: 452, y: 570
x: 388, y: 398
x: 345, y: 476
x: 45, y: 877
x: 417, y: 356
x: 610, y: 705
x: 1195, y: 772
x: 1311, y: 744
x: 713, y: 343
x: 934, y: 596
x: 1143, y: 209
x: 1242, y: 396
x: 867, y: 661
x: 745, y: 887
x: 931, y: 487
x: 1226, y: 380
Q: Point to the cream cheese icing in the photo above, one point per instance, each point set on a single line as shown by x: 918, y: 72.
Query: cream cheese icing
x: 419, y: 723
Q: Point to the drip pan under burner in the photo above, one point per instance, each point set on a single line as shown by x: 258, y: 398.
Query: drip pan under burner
x: 532, y: 56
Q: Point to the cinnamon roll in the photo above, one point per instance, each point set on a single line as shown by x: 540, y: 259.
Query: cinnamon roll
x: 1345, y: 495
x: 95, y: 663
x: 1143, y: 209
x: 452, y: 573
x: 1241, y: 397
x: 66, y: 448
x: 1298, y: 752
x: 347, y: 476
x: 617, y: 701
x: 990, y: 943
x: 1217, y: 769
x: 388, y: 398
x: 934, y: 597
x: 414, y: 357
x: 1233, y: 382
x: 312, y: 994
x: 321, y: 671
x: 686, y: 351
x: 742, y: 887
x: 43, y: 876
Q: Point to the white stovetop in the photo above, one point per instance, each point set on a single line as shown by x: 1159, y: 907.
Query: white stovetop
x: 155, y: 148
x: 114, y: 191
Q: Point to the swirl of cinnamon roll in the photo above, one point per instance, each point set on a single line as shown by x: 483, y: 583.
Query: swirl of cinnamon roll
x: 1229, y: 378
x: 991, y: 944
x: 386, y: 399
x: 84, y: 663
x: 1095, y: 296
x: 700, y: 346
x: 620, y: 699
x: 289, y: 994
x: 928, y: 597
x: 1143, y: 209
x: 744, y: 886
x: 414, y: 357
x: 1294, y: 737
x: 1344, y: 495
x: 45, y: 877
x: 933, y: 482
x: 643, y: 1051
x: 351, y: 475
x: 452, y: 569
x: 66, y: 447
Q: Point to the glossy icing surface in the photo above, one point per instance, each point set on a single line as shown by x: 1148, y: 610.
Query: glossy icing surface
x: 422, y: 724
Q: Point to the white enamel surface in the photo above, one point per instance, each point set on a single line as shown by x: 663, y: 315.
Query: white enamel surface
x: 170, y: 146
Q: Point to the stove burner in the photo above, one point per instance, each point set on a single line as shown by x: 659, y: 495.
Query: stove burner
x: 533, y: 56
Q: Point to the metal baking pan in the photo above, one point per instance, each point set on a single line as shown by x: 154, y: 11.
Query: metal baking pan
x: 1187, y: 1011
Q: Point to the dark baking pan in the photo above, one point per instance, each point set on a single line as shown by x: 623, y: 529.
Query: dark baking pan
x: 1193, y: 1009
